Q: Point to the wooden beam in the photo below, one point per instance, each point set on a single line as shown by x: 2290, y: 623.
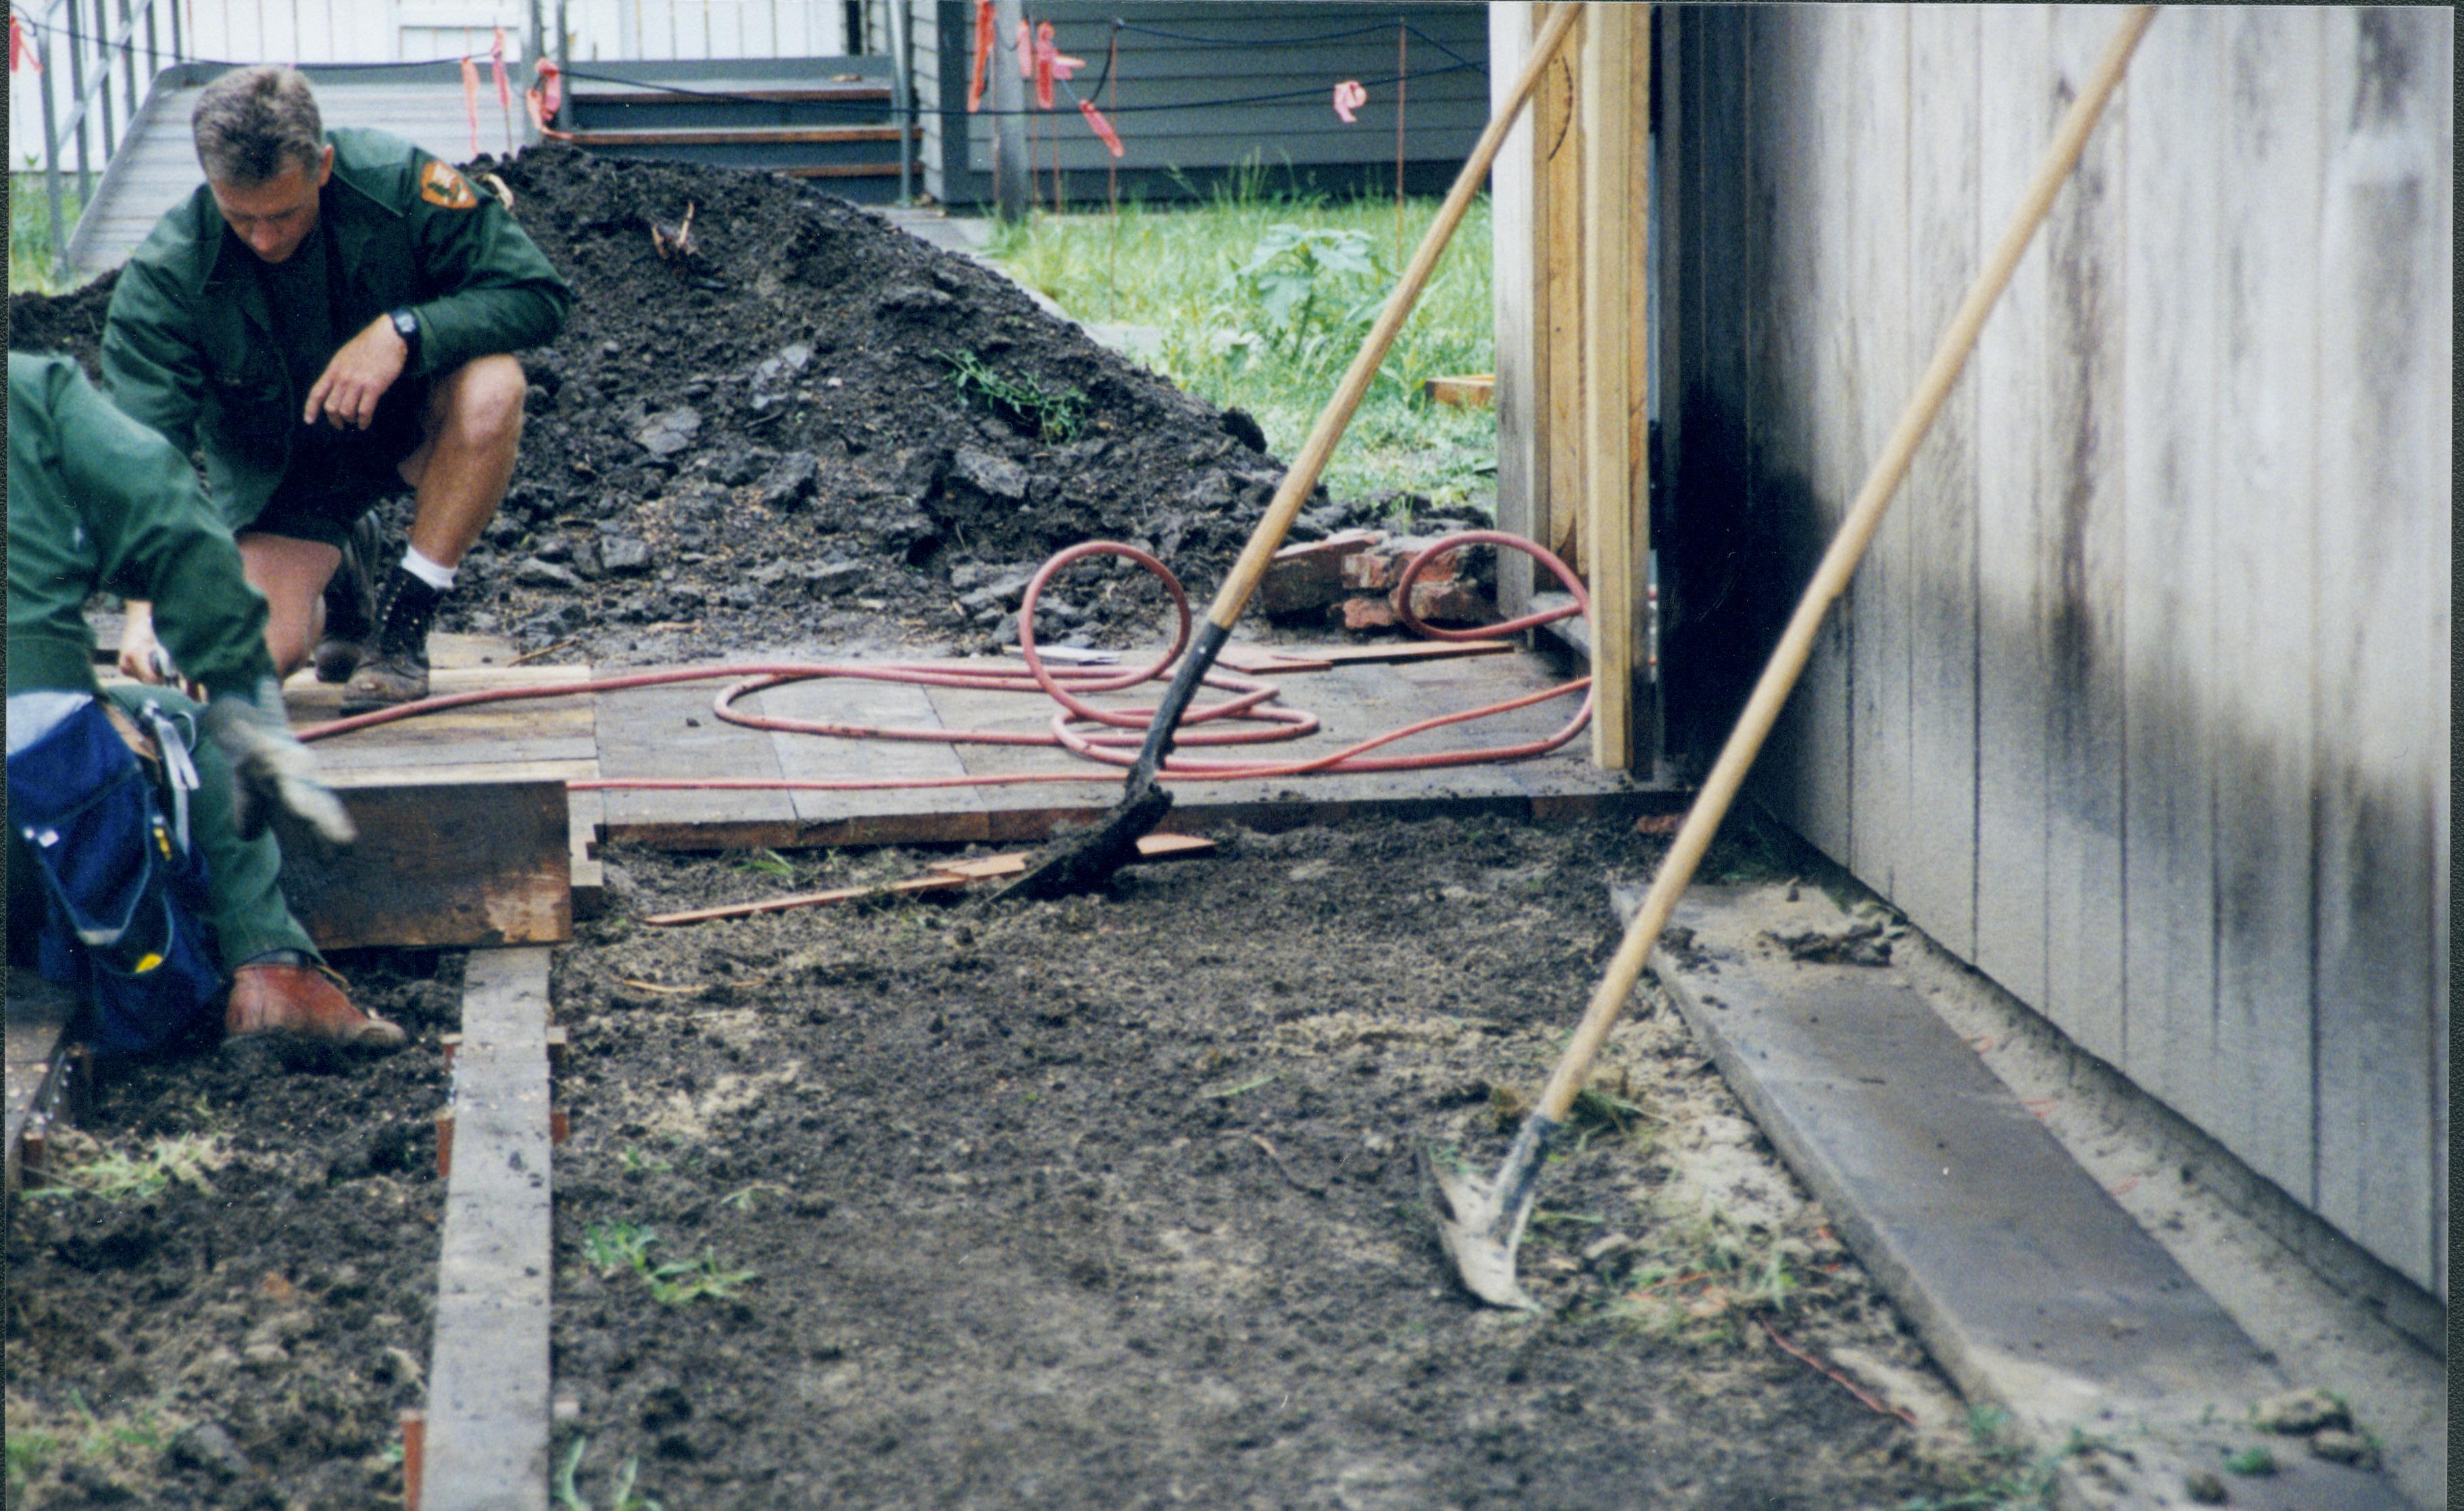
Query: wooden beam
x: 1614, y: 96
x: 1513, y: 243
x: 443, y: 862
x: 1558, y: 313
x: 39, y: 1059
x: 486, y: 1445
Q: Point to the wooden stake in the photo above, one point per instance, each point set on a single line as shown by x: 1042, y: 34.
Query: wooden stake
x: 1616, y: 226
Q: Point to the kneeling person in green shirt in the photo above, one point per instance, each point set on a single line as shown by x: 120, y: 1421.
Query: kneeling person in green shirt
x: 97, y: 502
x: 330, y: 316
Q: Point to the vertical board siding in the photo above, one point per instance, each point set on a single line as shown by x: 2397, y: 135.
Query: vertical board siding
x: 2175, y: 119
x: 2140, y: 700
x: 2261, y: 675
x: 1937, y: 875
x: 2087, y: 304
x: 2013, y: 125
x: 1877, y: 379
x: 1511, y: 269
x: 2382, y: 394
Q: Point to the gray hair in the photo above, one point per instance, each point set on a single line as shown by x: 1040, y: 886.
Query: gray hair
x: 253, y: 123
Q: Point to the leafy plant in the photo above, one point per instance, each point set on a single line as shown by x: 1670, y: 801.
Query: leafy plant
x: 684, y: 1281
x: 1310, y: 284
x: 613, y: 1246
x: 1056, y: 415
x: 29, y: 230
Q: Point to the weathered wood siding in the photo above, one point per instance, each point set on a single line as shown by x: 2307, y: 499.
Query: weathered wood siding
x: 2140, y: 702
x: 1164, y: 89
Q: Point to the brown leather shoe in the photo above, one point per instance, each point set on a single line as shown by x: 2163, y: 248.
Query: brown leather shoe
x: 300, y: 1001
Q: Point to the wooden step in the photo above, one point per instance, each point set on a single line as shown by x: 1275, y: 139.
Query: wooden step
x: 741, y: 135
x: 717, y: 93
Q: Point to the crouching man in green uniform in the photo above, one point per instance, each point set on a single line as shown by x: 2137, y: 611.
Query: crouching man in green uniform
x: 99, y: 502
x: 329, y: 317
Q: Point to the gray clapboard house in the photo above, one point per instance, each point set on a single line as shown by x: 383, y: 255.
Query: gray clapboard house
x: 2141, y: 700
x: 1199, y: 91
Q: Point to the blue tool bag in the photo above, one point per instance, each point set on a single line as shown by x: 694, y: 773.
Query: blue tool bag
x: 125, y: 889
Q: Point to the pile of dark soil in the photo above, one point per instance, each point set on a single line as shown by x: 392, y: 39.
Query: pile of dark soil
x: 767, y: 444
x: 1116, y: 1202
x: 246, y: 1338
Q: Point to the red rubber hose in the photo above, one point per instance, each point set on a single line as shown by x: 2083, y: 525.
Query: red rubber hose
x: 1116, y: 735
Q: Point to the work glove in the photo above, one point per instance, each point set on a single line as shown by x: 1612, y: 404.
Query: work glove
x: 275, y: 777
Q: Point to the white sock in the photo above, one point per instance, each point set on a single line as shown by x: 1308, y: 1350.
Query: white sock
x: 436, y: 576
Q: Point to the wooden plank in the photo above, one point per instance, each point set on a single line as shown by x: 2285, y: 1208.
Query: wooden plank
x: 1877, y: 375
x: 2170, y: 359
x: 2264, y: 678
x: 1605, y: 94
x: 671, y: 731
x: 1513, y: 248
x: 1558, y: 321
x: 442, y: 863
x: 1936, y: 883
x: 945, y: 876
x: 2081, y: 609
x: 38, y: 1016
x: 857, y: 817
x: 2015, y: 96
x: 488, y: 1403
x: 736, y: 135
x: 2381, y: 563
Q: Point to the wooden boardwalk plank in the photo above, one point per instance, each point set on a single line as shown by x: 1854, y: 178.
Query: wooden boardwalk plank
x: 857, y: 818
x: 671, y: 731
x: 439, y: 864
x: 488, y: 1407
x: 38, y: 1014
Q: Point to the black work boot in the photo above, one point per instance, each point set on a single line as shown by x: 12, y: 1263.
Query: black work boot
x: 351, y: 604
x: 396, y: 670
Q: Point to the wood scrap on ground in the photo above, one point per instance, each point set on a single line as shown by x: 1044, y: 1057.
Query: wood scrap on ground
x: 945, y: 876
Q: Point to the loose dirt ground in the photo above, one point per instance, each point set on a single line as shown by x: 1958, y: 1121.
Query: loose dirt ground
x: 1116, y: 1202
x: 246, y: 1335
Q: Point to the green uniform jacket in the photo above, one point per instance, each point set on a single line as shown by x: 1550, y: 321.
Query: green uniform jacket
x: 188, y: 348
x: 97, y: 502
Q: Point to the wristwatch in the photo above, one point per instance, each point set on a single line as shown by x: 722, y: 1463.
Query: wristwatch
x: 405, y: 325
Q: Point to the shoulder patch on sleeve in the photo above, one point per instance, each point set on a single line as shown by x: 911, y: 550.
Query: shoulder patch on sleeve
x: 440, y: 185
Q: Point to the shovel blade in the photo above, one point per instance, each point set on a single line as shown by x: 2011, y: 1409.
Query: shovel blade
x: 1084, y: 861
x: 1482, y: 1228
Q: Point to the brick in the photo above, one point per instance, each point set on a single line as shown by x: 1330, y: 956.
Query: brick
x: 1305, y: 579
x: 1367, y: 613
x: 1449, y: 603
x: 1369, y: 571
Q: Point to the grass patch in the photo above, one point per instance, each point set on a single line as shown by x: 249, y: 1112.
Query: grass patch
x: 1704, y: 1278
x: 123, y: 1445
x: 1263, y: 297
x: 30, y: 231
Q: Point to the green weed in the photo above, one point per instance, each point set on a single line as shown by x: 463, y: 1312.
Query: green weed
x: 623, y: 1495
x: 614, y: 1247
x: 767, y: 863
x: 1057, y: 415
x: 633, y: 1162
x: 2252, y: 1461
x: 747, y: 1199
x: 1240, y: 1089
x: 688, y: 1281
x: 117, y: 1175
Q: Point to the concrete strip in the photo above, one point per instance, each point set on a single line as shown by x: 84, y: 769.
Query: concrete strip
x: 487, y: 1430
x: 2030, y: 1284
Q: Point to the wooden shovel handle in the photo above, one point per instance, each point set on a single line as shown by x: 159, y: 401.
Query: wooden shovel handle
x: 1268, y: 536
x: 1830, y: 577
